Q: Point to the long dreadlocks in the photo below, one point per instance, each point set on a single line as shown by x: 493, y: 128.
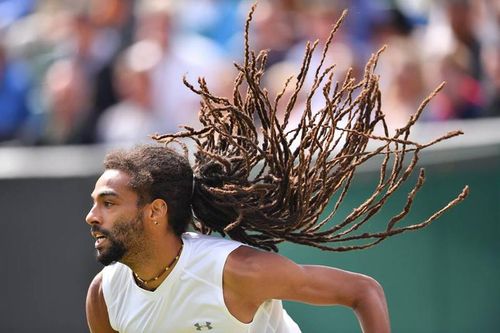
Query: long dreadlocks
x: 260, y: 190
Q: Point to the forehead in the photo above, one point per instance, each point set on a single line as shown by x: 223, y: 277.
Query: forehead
x: 113, y: 182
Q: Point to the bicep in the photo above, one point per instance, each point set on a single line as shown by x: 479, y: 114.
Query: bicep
x: 97, y: 313
x: 322, y: 285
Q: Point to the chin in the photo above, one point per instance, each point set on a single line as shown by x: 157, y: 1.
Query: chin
x: 105, y: 261
x: 110, y: 254
x: 107, y: 258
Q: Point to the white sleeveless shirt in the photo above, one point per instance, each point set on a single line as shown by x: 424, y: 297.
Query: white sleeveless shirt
x: 189, y: 300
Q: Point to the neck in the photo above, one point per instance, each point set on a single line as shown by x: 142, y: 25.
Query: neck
x: 152, y: 267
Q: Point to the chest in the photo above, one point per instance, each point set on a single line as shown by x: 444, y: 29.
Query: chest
x: 190, y: 305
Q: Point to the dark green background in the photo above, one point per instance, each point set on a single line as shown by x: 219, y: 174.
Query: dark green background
x: 444, y: 278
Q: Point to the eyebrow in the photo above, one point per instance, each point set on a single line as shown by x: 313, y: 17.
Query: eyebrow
x: 107, y: 193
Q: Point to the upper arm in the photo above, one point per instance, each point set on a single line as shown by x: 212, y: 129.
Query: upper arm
x: 260, y: 275
x: 97, y: 313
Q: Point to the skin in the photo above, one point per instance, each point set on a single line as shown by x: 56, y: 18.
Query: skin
x: 250, y: 277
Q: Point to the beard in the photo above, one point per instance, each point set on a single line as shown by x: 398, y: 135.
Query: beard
x: 113, y: 253
x: 124, y: 239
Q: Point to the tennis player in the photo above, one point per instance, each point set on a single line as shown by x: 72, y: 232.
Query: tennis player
x: 159, y: 278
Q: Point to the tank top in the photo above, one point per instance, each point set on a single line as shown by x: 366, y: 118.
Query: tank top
x: 189, y: 300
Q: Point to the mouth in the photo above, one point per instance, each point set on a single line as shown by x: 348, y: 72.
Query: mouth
x: 99, y: 239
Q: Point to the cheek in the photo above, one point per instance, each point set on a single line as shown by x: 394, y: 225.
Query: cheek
x: 126, y: 230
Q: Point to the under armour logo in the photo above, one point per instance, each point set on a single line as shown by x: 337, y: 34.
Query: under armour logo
x: 207, y: 326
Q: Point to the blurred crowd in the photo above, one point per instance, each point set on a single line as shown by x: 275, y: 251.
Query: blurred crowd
x: 110, y: 71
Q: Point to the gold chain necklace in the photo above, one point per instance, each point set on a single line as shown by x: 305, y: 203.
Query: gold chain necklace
x: 145, y: 282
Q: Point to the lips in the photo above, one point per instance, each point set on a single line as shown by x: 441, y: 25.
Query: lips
x: 99, y: 238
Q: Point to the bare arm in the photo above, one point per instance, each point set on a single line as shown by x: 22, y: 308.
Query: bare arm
x: 363, y: 294
x: 252, y: 277
x: 97, y: 313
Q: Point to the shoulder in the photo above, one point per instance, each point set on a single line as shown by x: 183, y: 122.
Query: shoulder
x: 253, y: 276
x: 197, y: 237
x: 95, y: 289
x: 202, y: 243
x: 97, y: 313
x: 246, y: 259
x: 264, y: 275
x: 207, y: 254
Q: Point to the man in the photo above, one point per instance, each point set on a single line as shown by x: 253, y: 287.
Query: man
x: 165, y: 280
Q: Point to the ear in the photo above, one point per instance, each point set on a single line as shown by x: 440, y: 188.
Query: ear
x: 159, y: 210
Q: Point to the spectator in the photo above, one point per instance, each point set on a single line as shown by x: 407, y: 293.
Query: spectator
x: 68, y: 96
x: 403, y: 83
x: 273, y: 29
x: 113, y: 33
x: 14, y: 87
x: 132, y: 120
x: 491, y: 59
x: 463, y: 97
x: 172, y: 101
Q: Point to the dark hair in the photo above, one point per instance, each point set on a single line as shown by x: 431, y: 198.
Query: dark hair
x: 158, y: 172
x: 273, y: 187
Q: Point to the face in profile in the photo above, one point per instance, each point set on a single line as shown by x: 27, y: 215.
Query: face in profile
x: 115, y: 219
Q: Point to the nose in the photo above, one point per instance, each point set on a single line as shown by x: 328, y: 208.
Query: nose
x: 92, y: 217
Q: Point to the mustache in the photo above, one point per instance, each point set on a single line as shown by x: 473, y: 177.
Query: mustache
x: 96, y: 228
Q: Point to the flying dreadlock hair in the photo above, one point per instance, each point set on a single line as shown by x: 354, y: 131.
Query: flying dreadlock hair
x: 261, y: 191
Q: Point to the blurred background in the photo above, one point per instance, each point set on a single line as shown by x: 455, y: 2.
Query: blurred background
x: 78, y: 77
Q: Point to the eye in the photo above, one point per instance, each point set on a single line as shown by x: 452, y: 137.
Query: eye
x: 108, y: 204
